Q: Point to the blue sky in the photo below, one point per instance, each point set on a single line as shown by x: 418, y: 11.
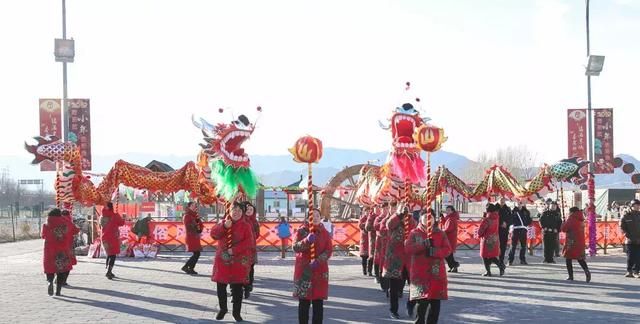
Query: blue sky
x: 493, y: 73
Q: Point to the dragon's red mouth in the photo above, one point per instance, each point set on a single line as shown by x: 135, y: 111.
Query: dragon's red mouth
x: 403, y: 126
x: 230, y: 146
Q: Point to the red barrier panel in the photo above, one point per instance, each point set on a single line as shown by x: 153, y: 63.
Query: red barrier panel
x: 171, y: 235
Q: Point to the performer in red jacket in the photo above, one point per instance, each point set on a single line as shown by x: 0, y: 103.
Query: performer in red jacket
x: 381, y: 243
x: 450, y: 229
x: 364, y: 239
x: 575, y: 245
x: 394, y: 261
x: 110, y: 223
x: 250, y: 217
x: 371, y: 232
x: 427, y: 246
x: 193, y: 227
x: 58, y: 235
x: 66, y: 214
x: 311, y: 277
x: 232, y: 262
x: 489, y: 240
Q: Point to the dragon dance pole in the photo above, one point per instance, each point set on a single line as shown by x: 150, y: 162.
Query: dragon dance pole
x: 562, y: 200
x: 312, y: 227
x: 227, y: 217
x: 430, y: 221
x: 407, y: 188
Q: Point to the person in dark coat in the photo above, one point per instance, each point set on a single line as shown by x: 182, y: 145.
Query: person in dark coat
x: 503, y: 229
x: 550, y: 222
x: 193, y: 227
x: 58, y: 234
x: 575, y: 243
x: 521, y: 219
x: 630, y: 226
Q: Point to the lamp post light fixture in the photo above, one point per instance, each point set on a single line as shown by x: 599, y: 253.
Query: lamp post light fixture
x: 594, y: 66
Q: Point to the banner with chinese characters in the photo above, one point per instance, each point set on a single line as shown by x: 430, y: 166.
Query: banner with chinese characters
x: 603, y: 143
x: 80, y: 128
x: 577, y: 127
x: 50, y: 125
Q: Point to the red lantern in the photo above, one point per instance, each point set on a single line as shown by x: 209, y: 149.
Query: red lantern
x: 307, y: 149
x: 429, y: 138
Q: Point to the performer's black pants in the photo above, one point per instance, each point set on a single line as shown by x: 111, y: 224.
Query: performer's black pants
x: 488, y: 262
x: 303, y: 311
x: 504, y: 240
x: 582, y: 263
x: 193, y: 260
x: 451, y: 261
x: 236, y: 297
x: 365, y: 259
x: 428, y: 311
x: 111, y: 261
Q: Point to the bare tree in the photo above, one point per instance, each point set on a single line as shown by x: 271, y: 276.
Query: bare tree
x: 519, y: 160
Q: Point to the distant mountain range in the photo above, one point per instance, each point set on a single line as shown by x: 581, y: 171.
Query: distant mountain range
x: 281, y: 170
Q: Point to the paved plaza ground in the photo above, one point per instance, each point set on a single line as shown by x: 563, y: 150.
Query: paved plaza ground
x: 156, y: 291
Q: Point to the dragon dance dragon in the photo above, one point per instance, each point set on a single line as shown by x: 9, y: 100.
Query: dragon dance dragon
x: 404, y: 170
x: 222, y: 170
x: 497, y: 181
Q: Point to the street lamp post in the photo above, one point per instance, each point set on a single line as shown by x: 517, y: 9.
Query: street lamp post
x: 594, y: 67
x: 64, y: 52
x: 65, y: 104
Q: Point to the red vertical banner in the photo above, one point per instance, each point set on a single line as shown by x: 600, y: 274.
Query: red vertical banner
x: 80, y: 128
x: 50, y: 125
x: 603, y: 143
x: 577, y: 127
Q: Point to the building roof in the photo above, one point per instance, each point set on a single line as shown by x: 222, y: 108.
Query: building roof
x: 158, y: 166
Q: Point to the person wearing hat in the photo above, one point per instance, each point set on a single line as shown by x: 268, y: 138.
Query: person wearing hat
x: 550, y: 221
x: 630, y: 226
x: 575, y: 245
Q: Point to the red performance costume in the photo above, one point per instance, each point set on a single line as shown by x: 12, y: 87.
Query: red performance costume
x: 110, y: 223
x: 427, y: 250
x: 58, y: 235
x: 311, y: 277
x: 575, y: 244
x: 489, y: 240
